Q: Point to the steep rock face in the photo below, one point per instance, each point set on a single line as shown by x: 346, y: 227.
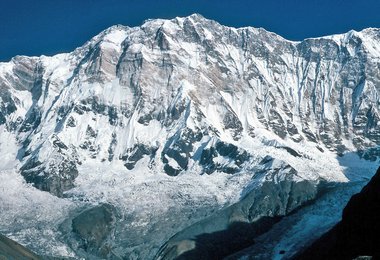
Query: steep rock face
x: 357, y: 234
x: 186, y: 82
x: 52, y: 168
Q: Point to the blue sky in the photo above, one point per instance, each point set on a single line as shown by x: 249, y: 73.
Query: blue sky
x: 35, y: 27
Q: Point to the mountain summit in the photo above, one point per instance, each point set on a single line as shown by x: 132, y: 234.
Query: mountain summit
x: 186, y: 116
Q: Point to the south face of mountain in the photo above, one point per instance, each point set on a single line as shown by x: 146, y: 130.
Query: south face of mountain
x: 200, y: 114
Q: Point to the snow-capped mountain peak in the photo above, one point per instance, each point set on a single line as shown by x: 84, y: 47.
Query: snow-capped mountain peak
x: 191, y: 98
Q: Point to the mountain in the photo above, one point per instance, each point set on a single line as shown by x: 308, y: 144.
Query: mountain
x: 156, y: 128
x: 357, y: 234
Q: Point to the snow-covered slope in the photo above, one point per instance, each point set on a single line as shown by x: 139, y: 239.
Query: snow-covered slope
x: 170, y: 121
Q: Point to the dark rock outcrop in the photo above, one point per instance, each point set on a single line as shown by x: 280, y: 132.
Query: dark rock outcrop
x: 358, y: 233
x: 93, y: 227
x: 10, y: 249
x: 56, y: 173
